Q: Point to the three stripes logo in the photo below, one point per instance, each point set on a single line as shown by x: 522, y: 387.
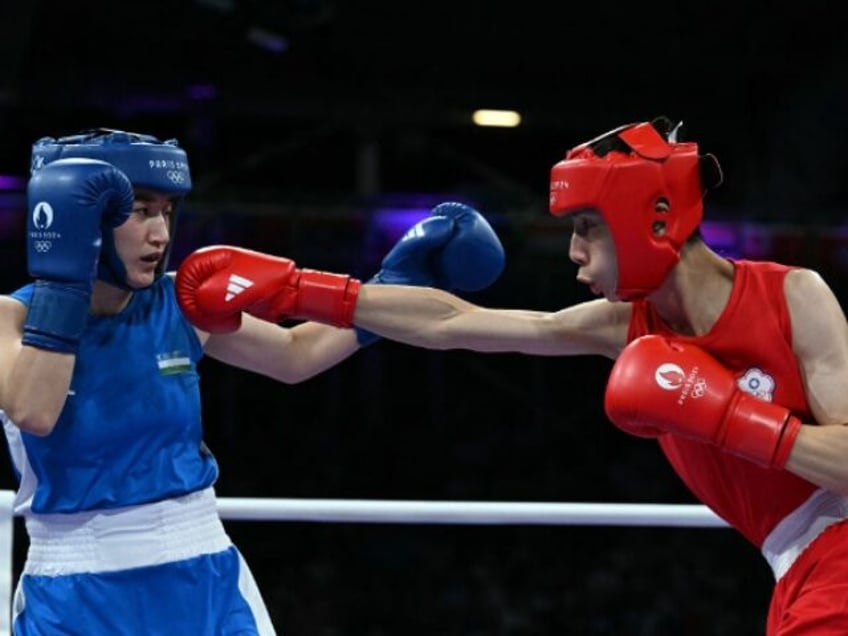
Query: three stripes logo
x: 416, y: 231
x: 236, y: 285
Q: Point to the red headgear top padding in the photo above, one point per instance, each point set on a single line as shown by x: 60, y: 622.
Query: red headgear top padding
x: 623, y: 174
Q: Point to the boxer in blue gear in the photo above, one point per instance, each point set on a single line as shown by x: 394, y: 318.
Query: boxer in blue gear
x: 100, y: 401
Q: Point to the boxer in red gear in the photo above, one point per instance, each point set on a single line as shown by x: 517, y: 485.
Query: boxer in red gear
x: 738, y: 368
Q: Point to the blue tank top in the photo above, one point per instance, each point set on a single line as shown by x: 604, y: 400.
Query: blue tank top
x: 130, y: 431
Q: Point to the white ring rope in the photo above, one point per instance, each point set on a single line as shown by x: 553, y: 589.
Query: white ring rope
x: 468, y: 512
x: 7, y: 529
x: 422, y: 512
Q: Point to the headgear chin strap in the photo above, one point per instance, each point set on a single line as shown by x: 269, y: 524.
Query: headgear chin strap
x: 148, y: 163
x: 623, y: 174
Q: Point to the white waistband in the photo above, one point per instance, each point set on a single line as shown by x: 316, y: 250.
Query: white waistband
x: 798, y: 529
x: 124, y: 538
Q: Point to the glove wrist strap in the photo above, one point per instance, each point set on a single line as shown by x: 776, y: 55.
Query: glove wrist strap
x: 761, y: 431
x: 57, y: 315
x: 328, y: 298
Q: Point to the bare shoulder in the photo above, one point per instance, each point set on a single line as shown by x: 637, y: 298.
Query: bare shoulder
x: 816, y: 313
x: 804, y: 289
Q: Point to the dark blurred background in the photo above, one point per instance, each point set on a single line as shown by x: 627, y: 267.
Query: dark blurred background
x: 319, y: 130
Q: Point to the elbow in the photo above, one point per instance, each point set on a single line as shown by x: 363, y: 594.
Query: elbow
x: 438, y: 339
x: 40, y: 428
x: 292, y: 380
x: 291, y: 376
x: 35, y: 423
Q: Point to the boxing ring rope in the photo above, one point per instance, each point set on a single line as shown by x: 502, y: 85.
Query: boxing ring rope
x: 420, y: 512
x: 468, y: 512
x: 7, y: 531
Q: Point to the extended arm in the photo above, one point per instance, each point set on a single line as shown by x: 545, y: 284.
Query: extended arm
x: 424, y: 317
x: 222, y: 289
x: 435, y: 319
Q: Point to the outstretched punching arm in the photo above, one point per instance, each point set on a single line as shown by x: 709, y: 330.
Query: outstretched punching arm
x: 435, y: 319
x: 221, y: 289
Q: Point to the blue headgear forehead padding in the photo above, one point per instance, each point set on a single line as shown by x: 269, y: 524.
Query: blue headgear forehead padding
x: 148, y: 163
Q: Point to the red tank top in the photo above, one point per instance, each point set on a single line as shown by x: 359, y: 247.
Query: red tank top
x: 752, y: 338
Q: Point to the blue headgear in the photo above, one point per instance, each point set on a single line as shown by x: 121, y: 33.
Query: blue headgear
x: 147, y: 162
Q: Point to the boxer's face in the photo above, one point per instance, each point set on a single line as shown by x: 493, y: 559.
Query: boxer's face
x: 141, y: 240
x: 593, y: 251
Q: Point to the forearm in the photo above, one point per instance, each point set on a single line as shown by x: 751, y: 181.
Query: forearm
x: 434, y: 319
x: 820, y: 455
x: 286, y: 355
x: 413, y: 315
x: 316, y: 347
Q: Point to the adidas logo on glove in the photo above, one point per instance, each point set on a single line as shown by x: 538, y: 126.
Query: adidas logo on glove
x: 236, y: 285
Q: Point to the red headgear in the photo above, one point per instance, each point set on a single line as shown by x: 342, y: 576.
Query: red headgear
x: 623, y: 174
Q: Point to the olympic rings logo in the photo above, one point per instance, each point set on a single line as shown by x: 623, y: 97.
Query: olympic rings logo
x: 176, y: 176
x: 42, y: 246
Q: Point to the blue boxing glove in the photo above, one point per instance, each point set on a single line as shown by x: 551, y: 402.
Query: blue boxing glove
x: 454, y: 249
x: 69, y: 201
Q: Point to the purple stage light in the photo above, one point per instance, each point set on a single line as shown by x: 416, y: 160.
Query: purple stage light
x: 12, y: 182
x: 734, y: 239
x: 392, y: 223
x: 268, y: 40
x: 202, y: 92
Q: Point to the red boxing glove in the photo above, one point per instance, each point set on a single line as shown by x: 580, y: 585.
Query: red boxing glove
x: 657, y: 386
x: 216, y: 284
